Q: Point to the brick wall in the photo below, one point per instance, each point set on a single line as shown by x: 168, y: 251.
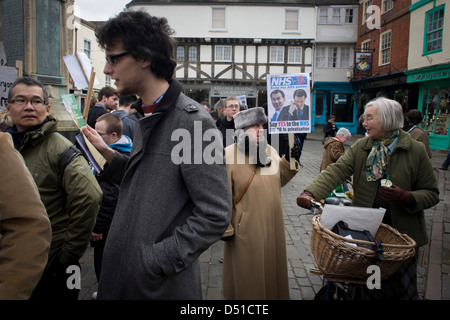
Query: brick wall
x: 397, y: 20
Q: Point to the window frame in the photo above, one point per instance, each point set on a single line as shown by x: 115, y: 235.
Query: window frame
x: 366, y: 46
x: 333, y: 16
x: 320, y: 16
x: 224, y: 28
x: 365, y: 5
x: 87, y: 51
x: 384, y: 4
x: 321, y: 56
x: 426, y: 33
x: 347, y: 56
x: 381, y: 62
x: 352, y: 16
x: 223, y: 48
x: 107, y: 80
x: 190, y: 55
x: 286, y: 10
x: 178, y: 53
x: 278, y: 48
x: 293, y: 51
x: 327, y: 56
x: 345, y: 15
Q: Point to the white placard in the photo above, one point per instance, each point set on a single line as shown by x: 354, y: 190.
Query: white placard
x: 289, y: 103
x: 3, y: 60
x: 7, y: 76
x: 76, y: 72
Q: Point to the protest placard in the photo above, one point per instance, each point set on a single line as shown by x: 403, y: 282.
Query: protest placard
x: 80, y: 68
x: 3, y: 60
x: 242, y: 102
x: 7, y: 76
x: 289, y: 101
x: 71, y: 105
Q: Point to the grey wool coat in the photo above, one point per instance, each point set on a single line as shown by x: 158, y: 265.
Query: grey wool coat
x: 167, y: 213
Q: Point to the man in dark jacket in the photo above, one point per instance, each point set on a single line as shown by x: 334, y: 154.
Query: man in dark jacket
x: 166, y: 215
x: 330, y: 128
x: 108, y: 100
x: 226, y: 125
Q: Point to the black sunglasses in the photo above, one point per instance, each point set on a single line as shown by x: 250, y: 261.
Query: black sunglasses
x: 110, y: 59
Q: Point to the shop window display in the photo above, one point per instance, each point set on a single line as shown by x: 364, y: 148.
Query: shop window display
x: 435, y: 109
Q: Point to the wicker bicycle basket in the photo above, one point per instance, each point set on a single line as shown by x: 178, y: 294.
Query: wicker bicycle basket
x: 339, y: 260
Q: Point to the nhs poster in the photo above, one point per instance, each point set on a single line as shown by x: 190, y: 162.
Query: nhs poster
x: 288, y: 103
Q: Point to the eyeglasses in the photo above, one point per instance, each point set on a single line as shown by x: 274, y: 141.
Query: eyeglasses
x: 103, y: 134
x: 36, y: 102
x: 233, y: 106
x: 110, y: 58
x: 370, y: 119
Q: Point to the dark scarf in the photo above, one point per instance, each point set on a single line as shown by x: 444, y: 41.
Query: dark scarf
x: 258, y: 151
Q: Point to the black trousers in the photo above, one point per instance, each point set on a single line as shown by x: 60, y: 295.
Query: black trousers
x: 53, y: 285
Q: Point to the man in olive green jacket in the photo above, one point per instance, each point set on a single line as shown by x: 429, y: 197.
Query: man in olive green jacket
x: 72, y: 202
x: 410, y: 168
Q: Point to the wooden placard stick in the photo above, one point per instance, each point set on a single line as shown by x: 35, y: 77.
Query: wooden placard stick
x: 86, y: 77
x: 87, y: 103
x: 291, y: 145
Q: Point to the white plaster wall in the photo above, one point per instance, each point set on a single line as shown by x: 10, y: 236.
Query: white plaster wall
x: 416, y: 59
x: 241, y: 21
x: 346, y: 33
x: 331, y: 74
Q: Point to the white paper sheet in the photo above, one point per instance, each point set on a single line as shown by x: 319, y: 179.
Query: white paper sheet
x: 350, y: 237
x: 76, y: 72
x: 357, y: 218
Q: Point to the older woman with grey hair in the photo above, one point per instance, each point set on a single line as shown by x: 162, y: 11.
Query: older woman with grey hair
x: 386, y: 151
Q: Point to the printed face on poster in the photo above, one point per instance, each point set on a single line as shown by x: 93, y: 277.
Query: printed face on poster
x: 289, y: 101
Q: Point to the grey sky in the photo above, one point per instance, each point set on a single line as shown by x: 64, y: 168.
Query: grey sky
x: 98, y: 10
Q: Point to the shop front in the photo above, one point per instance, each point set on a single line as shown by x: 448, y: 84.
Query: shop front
x: 434, y: 102
x: 335, y: 98
x: 392, y: 86
x: 221, y: 92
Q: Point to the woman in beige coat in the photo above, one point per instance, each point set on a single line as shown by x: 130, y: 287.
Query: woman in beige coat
x: 255, y: 261
x: 25, y: 231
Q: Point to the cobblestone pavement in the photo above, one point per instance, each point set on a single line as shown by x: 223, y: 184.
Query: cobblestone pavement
x: 434, y: 264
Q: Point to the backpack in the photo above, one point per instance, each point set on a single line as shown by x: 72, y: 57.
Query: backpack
x: 66, y: 157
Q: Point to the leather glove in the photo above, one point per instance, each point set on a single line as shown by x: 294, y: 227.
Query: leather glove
x: 396, y: 194
x: 295, y: 152
x: 304, y: 199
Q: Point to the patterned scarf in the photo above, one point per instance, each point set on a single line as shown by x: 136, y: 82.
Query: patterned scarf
x: 377, y: 159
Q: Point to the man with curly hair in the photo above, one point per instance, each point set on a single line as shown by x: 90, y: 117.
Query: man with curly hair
x: 166, y: 215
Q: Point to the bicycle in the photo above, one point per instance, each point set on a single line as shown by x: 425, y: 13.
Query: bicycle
x: 344, y: 263
x: 333, y: 290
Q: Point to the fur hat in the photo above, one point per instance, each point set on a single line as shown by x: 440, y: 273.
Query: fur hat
x: 249, y: 117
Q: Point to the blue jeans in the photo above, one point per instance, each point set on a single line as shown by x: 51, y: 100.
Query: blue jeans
x: 446, y: 163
